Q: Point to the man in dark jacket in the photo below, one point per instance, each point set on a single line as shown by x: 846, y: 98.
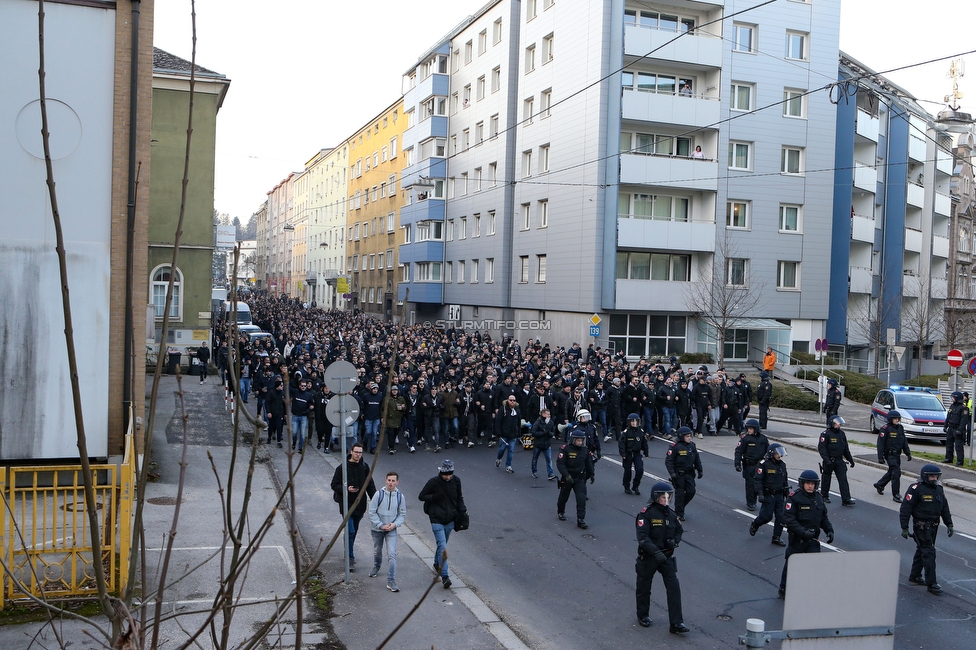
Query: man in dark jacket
x: 764, y: 393
x: 396, y: 406
x: 750, y: 449
x: 891, y: 444
x: 658, y: 535
x: 356, y: 472
x: 443, y: 501
x: 772, y: 486
x: 509, y: 421
x: 323, y: 428
x: 955, y: 430
x: 275, y: 407
x: 543, y: 431
x: 925, y: 502
x: 575, y: 466
x: 614, y: 399
x: 832, y: 399
x: 682, y: 462
x: 834, y: 450
x: 301, y: 406
x: 632, y: 444
x: 203, y: 356
x: 804, y: 516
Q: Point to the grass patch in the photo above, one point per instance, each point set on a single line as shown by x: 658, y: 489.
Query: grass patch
x: 321, y: 595
x: 20, y: 613
x: 857, y: 387
x: 920, y: 455
x: 786, y: 396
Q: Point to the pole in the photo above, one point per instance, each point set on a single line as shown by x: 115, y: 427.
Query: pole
x: 823, y: 380
x: 888, y: 381
x: 972, y: 421
x: 345, y: 479
x: 955, y: 379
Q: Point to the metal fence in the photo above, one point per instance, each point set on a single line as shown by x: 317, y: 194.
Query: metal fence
x: 45, y: 539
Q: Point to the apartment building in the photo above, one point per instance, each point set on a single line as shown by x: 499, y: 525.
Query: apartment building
x: 960, y: 306
x: 278, y: 250
x: 261, y: 245
x: 892, y: 208
x: 326, y: 242
x: 375, y: 165
x: 643, y: 151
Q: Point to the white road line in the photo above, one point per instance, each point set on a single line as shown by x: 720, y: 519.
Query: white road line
x: 967, y: 536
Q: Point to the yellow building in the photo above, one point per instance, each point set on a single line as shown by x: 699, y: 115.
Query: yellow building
x: 375, y: 165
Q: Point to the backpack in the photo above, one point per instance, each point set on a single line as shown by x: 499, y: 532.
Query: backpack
x: 399, y: 499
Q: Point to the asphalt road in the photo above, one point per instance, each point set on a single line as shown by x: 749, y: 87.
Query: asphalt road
x: 558, y: 586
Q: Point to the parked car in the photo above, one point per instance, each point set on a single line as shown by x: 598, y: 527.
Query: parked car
x: 922, y: 411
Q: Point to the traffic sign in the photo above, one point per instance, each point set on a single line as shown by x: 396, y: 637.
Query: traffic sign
x: 823, y: 344
x: 595, y: 319
x: 334, y: 414
x: 341, y: 377
x: 954, y: 358
x: 594, y: 330
x: 817, y: 346
x: 972, y: 369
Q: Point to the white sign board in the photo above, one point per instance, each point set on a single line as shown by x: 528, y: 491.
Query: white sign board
x: 226, y: 237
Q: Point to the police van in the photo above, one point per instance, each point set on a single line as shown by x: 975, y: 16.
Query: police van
x: 922, y: 412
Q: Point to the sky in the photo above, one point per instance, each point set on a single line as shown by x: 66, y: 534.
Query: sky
x: 305, y: 74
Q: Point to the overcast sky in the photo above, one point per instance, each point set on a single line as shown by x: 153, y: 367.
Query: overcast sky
x: 305, y: 74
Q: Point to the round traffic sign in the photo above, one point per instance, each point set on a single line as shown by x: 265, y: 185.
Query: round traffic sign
x: 333, y: 410
x: 823, y: 344
x: 972, y: 366
x: 817, y: 346
x: 954, y: 358
x: 341, y: 377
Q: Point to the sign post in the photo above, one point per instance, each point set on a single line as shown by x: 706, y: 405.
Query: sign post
x: 342, y: 377
x: 972, y: 411
x: 954, y: 357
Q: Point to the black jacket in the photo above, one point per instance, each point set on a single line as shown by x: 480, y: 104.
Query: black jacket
x: 926, y: 503
x: 543, y: 432
x: 442, y: 499
x: 682, y: 458
x: 574, y: 462
x: 751, y: 449
x: 357, y: 473
x: 765, y: 392
x: 658, y: 529
x: 833, y: 446
x: 891, y: 442
x: 632, y: 441
x: 771, y: 478
x: 804, y: 516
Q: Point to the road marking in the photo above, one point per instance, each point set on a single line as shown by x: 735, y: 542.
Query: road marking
x: 967, y: 536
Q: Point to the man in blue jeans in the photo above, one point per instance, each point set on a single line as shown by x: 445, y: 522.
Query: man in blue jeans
x: 356, y: 472
x: 442, y: 502
x: 301, y: 404
x: 372, y: 414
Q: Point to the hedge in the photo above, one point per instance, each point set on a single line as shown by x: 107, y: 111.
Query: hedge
x: 693, y: 358
x: 857, y: 387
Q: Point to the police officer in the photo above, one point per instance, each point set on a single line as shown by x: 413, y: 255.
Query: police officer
x: 682, y: 461
x: 832, y: 399
x: 955, y: 429
x: 631, y: 445
x: 772, y: 485
x: 926, y: 503
x: 574, y: 465
x: 658, y: 534
x: 834, y: 449
x: 891, y: 442
x: 804, y: 516
x: 764, y: 393
x: 750, y: 449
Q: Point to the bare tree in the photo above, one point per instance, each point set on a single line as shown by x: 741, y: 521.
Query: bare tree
x: 868, y: 320
x: 731, y: 294
x: 921, y: 321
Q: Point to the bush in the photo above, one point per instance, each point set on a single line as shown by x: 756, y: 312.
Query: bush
x: 791, y: 397
x: 696, y: 358
x: 926, y: 381
x: 857, y: 387
x: 807, y: 359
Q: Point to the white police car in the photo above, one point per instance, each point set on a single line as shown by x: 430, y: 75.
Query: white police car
x: 922, y: 412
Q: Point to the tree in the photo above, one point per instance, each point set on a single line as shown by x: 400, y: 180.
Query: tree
x: 236, y: 222
x: 250, y: 230
x: 868, y: 320
x: 731, y: 294
x: 921, y: 321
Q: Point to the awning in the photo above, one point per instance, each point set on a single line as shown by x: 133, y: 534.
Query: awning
x: 759, y: 324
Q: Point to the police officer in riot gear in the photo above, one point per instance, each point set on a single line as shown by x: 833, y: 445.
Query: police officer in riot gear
x: 682, y: 462
x: 925, y: 502
x: 633, y: 443
x: 834, y: 450
x: 574, y: 465
x: 658, y: 535
x: 891, y: 442
x: 772, y: 487
x: 804, y: 516
x: 751, y: 449
x: 955, y: 429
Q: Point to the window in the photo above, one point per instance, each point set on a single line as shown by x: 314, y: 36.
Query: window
x: 477, y: 226
x: 523, y: 269
x: 449, y: 231
x: 546, y: 49
x: 794, y: 103
x: 390, y: 220
x: 365, y: 262
x: 530, y: 58
x: 355, y: 232
x: 735, y: 273
x: 372, y: 294
x: 463, y: 228
x: 530, y: 9
x: 796, y: 45
x: 479, y: 132
x: 482, y: 41
x: 464, y: 184
x: 428, y: 271
x: 544, y: 158
x: 789, y: 218
x: 456, y: 61
x: 740, y: 155
x: 383, y: 189
x: 737, y: 214
x: 547, y: 3
x: 792, y: 160
x: 545, y: 102
x: 496, y: 32
x: 544, y: 213
x: 654, y: 206
x: 466, y: 96
x: 429, y: 230
x: 641, y: 334
x: 474, y: 271
x: 787, y: 275
x: 481, y: 87
x: 526, y: 163
x: 406, y: 234
x: 477, y: 179
x: 393, y: 147
x: 389, y: 258
x: 372, y: 262
x: 465, y: 139
x: 460, y: 275
x: 491, y: 222
x: 493, y: 174
x: 405, y: 272
x: 525, y: 216
x: 744, y: 37
x: 489, y: 270
x: 383, y: 156
x: 741, y: 96
x: 540, y: 265
x: 528, y: 110
x: 468, y: 51
x: 160, y: 284
x: 653, y: 266
x: 448, y: 272
x: 493, y: 126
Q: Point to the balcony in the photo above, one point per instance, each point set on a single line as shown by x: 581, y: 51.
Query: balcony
x: 910, y: 285
x: 943, y: 161
x: 426, y: 210
x: 437, y: 83
x: 666, y: 235
x: 669, y: 171
x: 330, y: 274
x: 916, y: 195
x: 865, y: 177
x: 655, y: 295
x: 940, y: 246
x: 867, y: 126
x: 916, y: 149
x: 940, y: 289
x: 699, y: 48
x: 860, y: 279
x: 943, y: 204
x: 913, y: 240
x: 862, y: 229
x: 670, y: 108
x: 429, y: 168
x: 432, y: 127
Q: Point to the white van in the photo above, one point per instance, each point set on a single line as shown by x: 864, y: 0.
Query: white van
x: 243, y: 312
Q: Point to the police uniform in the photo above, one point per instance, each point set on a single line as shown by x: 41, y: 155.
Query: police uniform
x: 658, y: 534
x: 633, y: 450
x: 834, y: 450
x: 771, y: 481
x: 682, y: 461
x: 832, y: 400
x: 804, y: 516
x: 925, y: 503
x: 955, y: 430
x: 891, y: 442
x: 574, y: 465
x: 750, y: 449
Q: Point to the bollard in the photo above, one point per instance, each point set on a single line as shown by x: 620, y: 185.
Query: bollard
x: 755, y: 636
